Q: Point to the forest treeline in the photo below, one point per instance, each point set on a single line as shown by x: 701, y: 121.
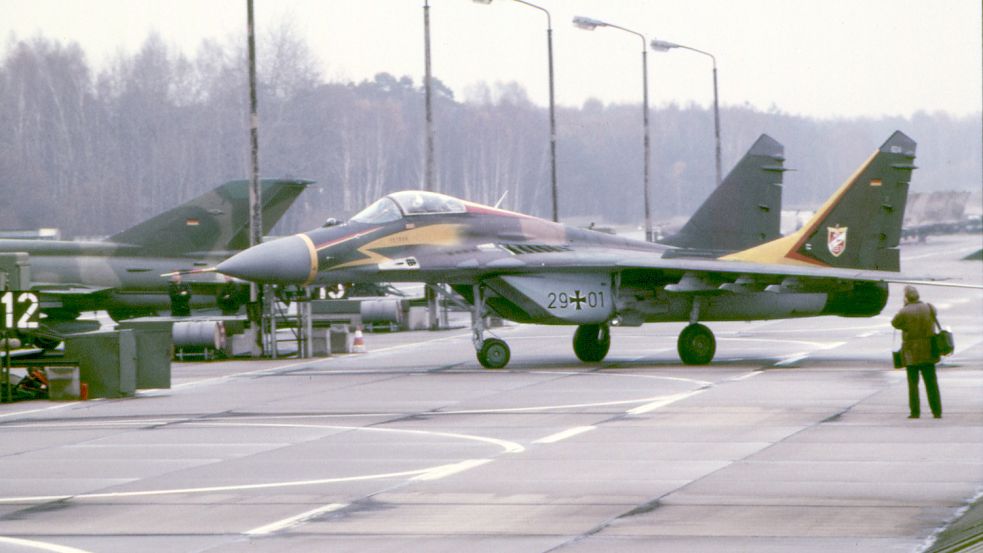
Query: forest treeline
x: 93, y: 152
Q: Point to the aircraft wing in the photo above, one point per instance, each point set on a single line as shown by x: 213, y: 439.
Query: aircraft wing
x: 717, y: 271
x: 63, y: 289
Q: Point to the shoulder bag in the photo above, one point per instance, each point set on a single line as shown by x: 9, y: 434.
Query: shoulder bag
x: 942, y: 341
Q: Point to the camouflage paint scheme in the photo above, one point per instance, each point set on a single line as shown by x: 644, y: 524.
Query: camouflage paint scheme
x: 122, y: 274
x: 535, y: 271
x: 744, y: 211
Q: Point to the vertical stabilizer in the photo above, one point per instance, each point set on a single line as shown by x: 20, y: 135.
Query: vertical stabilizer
x: 859, y: 227
x: 745, y: 210
x: 217, y: 220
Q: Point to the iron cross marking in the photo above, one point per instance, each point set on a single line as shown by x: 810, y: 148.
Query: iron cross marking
x: 577, y: 299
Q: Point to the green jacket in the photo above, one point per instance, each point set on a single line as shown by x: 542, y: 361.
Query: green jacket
x: 917, y: 324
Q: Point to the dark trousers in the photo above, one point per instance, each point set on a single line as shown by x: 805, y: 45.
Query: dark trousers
x: 927, y: 371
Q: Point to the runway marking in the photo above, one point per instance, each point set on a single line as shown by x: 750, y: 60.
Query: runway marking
x: 546, y: 407
x: 308, y: 362
x: 606, y: 374
x: 662, y: 402
x: 211, y: 489
x: 507, y: 446
x: 41, y: 545
x: 29, y: 411
x: 764, y: 330
x: 799, y: 356
x: 444, y: 471
x: 568, y: 433
x: 746, y: 376
x: 795, y: 357
x: 296, y: 520
x: 817, y: 345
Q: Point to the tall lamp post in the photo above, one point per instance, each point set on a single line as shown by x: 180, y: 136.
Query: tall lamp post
x: 590, y: 24
x: 665, y: 46
x: 428, y: 164
x: 549, y: 51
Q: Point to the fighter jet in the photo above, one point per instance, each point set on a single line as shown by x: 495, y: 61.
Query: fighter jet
x: 530, y: 270
x: 122, y: 274
x: 744, y: 211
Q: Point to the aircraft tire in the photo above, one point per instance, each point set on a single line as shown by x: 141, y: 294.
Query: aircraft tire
x: 494, y: 354
x: 696, y: 345
x: 592, y: 342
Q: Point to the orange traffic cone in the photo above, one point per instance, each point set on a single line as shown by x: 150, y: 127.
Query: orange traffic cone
x: 358, y: 346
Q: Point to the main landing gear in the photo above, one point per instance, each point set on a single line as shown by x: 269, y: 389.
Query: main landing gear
x: 592, y: 342
x: 492, y: 353
x: 696, y: 344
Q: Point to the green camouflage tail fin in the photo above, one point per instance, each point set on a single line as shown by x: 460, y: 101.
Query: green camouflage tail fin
x: 859, y: 227
x: 745, y: 210
x: 217, y: 220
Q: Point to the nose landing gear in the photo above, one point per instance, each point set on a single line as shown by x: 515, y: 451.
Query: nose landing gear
x: 492, y: 353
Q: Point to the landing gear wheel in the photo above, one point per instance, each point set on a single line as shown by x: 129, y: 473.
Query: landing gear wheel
x: 696, y: 345
x: 591, y: 342
x: 494, y: 354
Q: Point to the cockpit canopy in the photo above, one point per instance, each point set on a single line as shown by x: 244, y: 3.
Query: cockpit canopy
x: 408, y: 203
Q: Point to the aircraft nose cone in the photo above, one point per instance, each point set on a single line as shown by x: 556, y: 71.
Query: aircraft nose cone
x: 288, y: 260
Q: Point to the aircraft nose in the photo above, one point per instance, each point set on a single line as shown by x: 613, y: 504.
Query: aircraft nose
x: 288, y: 260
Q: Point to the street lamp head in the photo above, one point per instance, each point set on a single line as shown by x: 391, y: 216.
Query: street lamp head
x: 587, y: 23
x: 660, y: 45
x: 482, y: 1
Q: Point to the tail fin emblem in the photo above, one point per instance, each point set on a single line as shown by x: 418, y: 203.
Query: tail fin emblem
x: 836, y: 240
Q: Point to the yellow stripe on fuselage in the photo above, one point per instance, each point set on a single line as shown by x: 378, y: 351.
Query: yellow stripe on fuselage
x: 313, y: 253
x: 430, y: 235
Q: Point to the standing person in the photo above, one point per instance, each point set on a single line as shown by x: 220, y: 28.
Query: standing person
x: 228, y: 297
x: 916, y: 320
x: 180, y: 294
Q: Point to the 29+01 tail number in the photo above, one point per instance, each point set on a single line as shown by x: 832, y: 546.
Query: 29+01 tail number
x: 564, y: 300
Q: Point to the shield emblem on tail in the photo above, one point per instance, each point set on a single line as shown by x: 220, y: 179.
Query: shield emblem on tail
x: 836, y: 240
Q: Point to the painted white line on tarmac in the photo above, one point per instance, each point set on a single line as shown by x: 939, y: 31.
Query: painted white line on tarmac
x: 212, y: 489
x: 746, y: 376
x: 662, y: 402
x: 41, y: 545
x: 794, y: 358
x: 507, y: 446
x: 30, y: 411
x: 547, y: 407
x: 296, y: 520
x: 568, y: 433
x: 451, y: 469
x: 308, y: 362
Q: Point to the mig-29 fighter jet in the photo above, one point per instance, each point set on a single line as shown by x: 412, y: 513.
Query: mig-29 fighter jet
x: 530, y: 270
x: 122, y: 274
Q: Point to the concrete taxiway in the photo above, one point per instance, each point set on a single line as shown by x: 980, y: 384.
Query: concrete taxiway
x: 794, y: 439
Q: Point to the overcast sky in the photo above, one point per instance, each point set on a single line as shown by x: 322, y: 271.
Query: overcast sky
x: 824, y: 58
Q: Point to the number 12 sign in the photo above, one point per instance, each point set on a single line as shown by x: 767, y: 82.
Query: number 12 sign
x: 19, y: 310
